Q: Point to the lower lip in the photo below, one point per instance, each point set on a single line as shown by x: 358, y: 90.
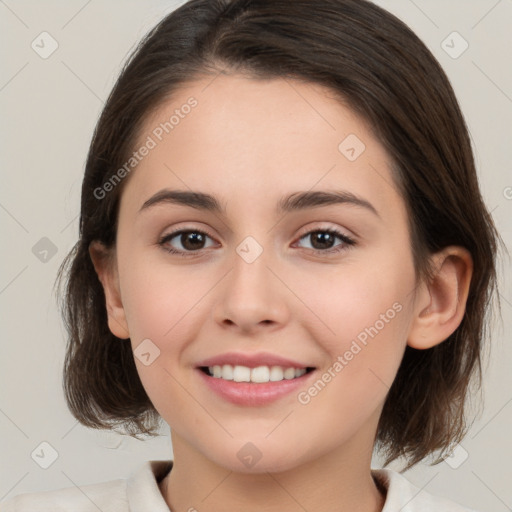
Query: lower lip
x: 253, y: 394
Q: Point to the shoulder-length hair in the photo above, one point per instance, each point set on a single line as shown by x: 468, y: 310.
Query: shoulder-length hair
x: 378, y: 67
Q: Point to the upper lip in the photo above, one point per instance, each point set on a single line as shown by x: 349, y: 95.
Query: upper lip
x: 251, y: 360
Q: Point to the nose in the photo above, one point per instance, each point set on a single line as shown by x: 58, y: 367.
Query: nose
x: 252, y: 297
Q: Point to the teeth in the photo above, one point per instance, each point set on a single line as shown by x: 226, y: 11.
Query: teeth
x: 276, y: 373
x: 289, y: 373
x: 260, y: 374
x: 241, y: 374
x: 226, y: 372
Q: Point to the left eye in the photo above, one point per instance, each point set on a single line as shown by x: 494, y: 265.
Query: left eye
x: 323, y: 239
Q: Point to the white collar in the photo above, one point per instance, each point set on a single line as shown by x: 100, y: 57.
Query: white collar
x: 401, y: 495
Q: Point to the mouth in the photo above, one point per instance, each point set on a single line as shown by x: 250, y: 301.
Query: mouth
x: 256, y: 375
x: 253, y: 379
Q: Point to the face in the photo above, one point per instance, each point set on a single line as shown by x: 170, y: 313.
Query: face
x: 312, y: 299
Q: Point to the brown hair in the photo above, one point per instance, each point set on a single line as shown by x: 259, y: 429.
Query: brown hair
x: 381, y: 69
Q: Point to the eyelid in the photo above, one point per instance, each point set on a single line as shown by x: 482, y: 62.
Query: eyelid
x: 303, y: 231
x: 327, y: 227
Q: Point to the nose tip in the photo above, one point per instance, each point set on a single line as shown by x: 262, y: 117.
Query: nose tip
x: 250, y: 297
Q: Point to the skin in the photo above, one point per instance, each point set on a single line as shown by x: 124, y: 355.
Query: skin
x: 249, y: 143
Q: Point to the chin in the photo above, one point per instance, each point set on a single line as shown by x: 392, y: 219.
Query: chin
x: 251, y: 460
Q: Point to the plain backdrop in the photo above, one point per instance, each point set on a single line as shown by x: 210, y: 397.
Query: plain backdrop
x: 49, y: 107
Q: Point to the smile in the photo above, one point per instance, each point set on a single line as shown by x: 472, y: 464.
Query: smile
x: 257, y: 375
x: 253, y: 378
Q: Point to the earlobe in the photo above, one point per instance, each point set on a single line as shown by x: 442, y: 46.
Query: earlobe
x: 441, y: 303
x: 106, y: 269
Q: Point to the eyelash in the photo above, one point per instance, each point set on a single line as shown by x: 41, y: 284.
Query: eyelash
x: 347, y: 241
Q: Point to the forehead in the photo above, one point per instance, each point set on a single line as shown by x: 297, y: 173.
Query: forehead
x: 241, y: 138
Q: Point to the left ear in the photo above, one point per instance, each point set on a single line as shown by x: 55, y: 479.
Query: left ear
x: 441, y: 303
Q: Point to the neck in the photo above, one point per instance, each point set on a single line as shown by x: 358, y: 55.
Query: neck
x: 339, y: 480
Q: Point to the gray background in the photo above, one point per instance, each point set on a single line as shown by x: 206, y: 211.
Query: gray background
x: 49, y: 109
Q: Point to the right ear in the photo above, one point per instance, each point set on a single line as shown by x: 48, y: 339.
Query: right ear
x: 105, y: 265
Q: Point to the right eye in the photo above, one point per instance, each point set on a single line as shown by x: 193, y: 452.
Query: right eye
x: 191, y: 240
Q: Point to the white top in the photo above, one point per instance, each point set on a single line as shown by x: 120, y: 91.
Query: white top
x: 140, y: 493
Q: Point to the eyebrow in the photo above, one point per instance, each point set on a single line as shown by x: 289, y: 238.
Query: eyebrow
x: 293, y: 202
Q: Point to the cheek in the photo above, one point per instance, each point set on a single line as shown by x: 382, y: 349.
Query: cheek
x: 361, y: 366
x: 159, y: 301
x: 163, y: 304
x: 366, y: 313
x: 359, y: 301
x: 158, y: 309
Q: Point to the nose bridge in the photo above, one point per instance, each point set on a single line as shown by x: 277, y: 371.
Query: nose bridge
x: 250, y: 275
x: 251, y: 262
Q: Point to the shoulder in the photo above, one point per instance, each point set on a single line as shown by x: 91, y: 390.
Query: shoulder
x: 404, y: 496
x: 107, y: 496
x: 135, y: 494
